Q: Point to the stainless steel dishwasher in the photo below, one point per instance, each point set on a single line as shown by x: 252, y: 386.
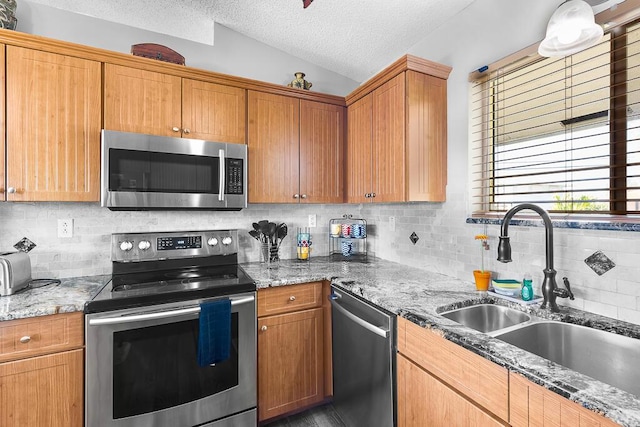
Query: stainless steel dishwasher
x: 364, y: 362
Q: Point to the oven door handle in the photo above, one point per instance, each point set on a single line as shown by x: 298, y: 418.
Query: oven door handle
x: 158, y: 315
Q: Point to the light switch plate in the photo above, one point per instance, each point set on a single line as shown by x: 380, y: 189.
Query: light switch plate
x: 312, y: 220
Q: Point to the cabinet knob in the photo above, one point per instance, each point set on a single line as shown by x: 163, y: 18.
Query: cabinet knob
x: 373, y: 194
x: 292, y: 298
x: 175, y: 129
x: 11, y: 190
x: 295, y: 196
x: 25, y: 339
x: 264, y: 328
x: 187, y: 131
x: 304, y: 196
x: 367, y: 195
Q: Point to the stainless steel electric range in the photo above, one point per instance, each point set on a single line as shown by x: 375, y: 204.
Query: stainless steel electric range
x: 142, y: 332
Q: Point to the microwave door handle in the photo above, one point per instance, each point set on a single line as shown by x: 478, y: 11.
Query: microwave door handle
x: 222, y: 175
x: 159, y: 315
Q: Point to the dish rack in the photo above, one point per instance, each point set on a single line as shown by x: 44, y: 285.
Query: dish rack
x: 348, y: 238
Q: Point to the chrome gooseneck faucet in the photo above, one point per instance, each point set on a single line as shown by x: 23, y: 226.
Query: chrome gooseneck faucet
x: 549, y: 287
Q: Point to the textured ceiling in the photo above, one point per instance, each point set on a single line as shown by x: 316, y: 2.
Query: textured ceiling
x: 353, y: 38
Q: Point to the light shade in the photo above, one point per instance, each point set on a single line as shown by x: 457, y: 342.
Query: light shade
x: 572, y: 28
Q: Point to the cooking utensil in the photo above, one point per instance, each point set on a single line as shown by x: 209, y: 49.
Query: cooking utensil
x: 282, y: 231
x: 256, y: 226
x: 254, y: 234
x: 271, y: 232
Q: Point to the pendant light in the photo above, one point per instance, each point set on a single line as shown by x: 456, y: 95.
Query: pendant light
x: 572, y: 28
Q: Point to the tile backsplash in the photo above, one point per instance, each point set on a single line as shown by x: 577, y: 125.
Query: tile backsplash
x: 446, y: 243
x: 88, y: 252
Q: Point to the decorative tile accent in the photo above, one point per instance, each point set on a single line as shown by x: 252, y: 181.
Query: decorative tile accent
x: 24, y: 245
x: 599, y: 262
x: 414, y: 238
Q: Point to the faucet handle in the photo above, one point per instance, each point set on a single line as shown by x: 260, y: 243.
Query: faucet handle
x: 568, y: 286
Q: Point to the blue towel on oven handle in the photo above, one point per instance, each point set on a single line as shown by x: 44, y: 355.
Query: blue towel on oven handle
x: 214, y: 340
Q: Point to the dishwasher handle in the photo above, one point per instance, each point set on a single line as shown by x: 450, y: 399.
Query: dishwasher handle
x: 384, y: 333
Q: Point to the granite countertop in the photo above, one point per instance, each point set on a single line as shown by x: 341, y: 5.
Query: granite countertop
x: 66, y: 297
x: 419, y: 295
x: 415, y: 294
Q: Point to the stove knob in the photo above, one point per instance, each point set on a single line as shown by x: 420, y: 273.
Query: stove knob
x: 126, y: 246
x: 226, y: 241
x: 213, y: 241
x: 144, y: 245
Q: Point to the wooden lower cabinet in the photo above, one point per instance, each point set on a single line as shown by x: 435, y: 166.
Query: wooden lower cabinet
x: 531, y: 405
x: 423, y: 400
x: 43, y: 391
x: 290, y: 362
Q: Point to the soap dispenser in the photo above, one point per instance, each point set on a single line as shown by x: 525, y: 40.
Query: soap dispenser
x: 527, y: 288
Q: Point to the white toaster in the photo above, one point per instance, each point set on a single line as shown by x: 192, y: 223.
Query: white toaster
x: 15, y: 272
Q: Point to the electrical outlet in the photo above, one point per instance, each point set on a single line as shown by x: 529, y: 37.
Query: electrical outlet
x: 312, y: 220
x: 65, y: 228
x: 392, y: 223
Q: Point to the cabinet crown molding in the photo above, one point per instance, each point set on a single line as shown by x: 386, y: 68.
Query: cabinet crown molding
x: 406, y: 62
x: 16, y: 38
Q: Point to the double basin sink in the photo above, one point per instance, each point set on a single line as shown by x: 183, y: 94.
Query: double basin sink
x: 605, y: 356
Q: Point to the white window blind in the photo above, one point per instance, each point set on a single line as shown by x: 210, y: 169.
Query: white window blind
x: 563, y: 133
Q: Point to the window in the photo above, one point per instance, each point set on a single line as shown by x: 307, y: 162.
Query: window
x: 563, y: 133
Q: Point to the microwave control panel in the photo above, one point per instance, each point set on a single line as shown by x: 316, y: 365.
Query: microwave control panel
x: 235, y: 176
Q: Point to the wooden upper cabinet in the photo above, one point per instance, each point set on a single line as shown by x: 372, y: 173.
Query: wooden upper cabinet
x: 142, y: 101
x: 322, y: 156
x: 358, y: 162
x: 213, y: 112
x: 405, y: 124
x: 3, y: 194
x: 426, y: 146
x: 53, y: 126
x: 155, y: 103
x: 389, y: 141
x: 273, y: 148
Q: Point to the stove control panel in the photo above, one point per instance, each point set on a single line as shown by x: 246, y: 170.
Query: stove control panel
x: 133, y: 247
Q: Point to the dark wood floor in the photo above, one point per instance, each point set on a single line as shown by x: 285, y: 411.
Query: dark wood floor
x: 322, y: 416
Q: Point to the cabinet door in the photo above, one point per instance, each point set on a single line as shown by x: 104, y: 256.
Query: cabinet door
x: 426, y: 137
x: 290, y: 362
x: 533, y: 405
x: 42, y: 391
x: 424, y: 401
x: 389, y: 141
x: 359, y: 140
x: 142, y: 101
x: 3, y: 194
x: 213, y: 112
x: 53, y: 126
x: 273, y: 145
x: 322, y: 156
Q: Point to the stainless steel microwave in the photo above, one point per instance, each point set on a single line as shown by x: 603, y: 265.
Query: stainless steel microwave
x: 145, y: 172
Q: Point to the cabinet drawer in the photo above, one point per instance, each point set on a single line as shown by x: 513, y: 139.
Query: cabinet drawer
x: 477, y: 378
x: 40, y: 335
x: 289, y: 298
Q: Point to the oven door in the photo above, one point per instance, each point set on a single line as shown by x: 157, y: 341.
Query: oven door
x: 157, y: 172
x: 141, y: 367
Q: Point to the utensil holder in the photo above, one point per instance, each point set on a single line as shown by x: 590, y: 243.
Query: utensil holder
x: 269, y: 255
